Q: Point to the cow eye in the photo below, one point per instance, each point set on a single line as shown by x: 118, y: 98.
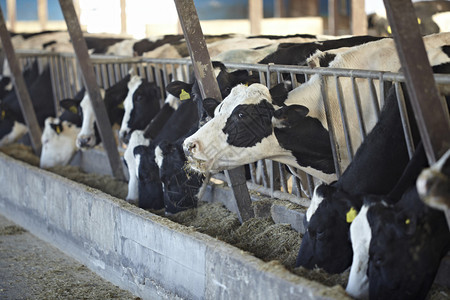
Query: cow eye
x: 241, y: 115
x: 321, y: 235
x: 378, y: 260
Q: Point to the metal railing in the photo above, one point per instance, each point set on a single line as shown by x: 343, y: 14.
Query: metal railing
x: 267, y: 177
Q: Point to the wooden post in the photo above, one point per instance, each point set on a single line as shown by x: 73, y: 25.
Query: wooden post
x: 23, y: 96
x: 11, y: 7
x: 123, y: 17
x: 255, y: 14
x: 42, y: 14
x: 358, y: 18
x: 204, y: 75
x: 429, y: 111
x: 90, y: 83
x: 333, y: 17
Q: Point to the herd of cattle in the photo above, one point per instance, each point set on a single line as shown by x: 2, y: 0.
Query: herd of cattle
x: 372, y: 219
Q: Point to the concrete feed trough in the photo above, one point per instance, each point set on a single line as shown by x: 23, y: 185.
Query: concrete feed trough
x: 148, y: 255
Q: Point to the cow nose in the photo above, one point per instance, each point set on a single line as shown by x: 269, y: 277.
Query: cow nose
x: 191, y: 147
x: 84, y: 141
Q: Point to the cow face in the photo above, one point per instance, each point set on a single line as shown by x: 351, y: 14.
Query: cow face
x: 180, y: 187
x: 407, y: 245
x: 10, y: 129
x: 141, y: 105
x: 87, y: 137
x: 137, y: 138
x: 58, y: 142
x: 326, y: 242
x: 149, y: 185
x: 239, y: 133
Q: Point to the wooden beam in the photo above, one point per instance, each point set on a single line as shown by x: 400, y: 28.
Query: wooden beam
x: 26, y: 105
x: 43, y: 13
x: 333, y: 17
x: 255, y: 14
x: 204, y: 75
x: 429, y: 110
x: 123, y: 17
x: 358, y: 17
x: 11, y: 8
x: 90, y: 83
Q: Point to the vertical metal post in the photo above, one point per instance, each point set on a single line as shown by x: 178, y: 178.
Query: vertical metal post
x: 204, y: 74
x: 90, y: 82
x: 333, y: 17
x: 429, y: 111
x: 23, y: 96
x: 359, y: 18
x: 255, y: 14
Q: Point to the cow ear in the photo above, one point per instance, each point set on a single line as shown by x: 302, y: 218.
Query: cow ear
x: 279, y: 94
x: 180, y: 89
x: 288, y: 115
x: 209, y: 105
x: 71, y: 105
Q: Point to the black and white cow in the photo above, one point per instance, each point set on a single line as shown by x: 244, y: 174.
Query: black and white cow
x: 141, y: 105
x: 242, y: 130
x: 12, y: 124
x: 398, y: 241
x: 378, y: 164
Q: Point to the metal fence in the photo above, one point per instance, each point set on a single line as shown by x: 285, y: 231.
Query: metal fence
x: 267, y: 177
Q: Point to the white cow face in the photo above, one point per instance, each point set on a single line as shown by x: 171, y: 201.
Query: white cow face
x: 58, y: 142
x: 86, y: 138
x: 240, y: 132
x: 137, y: 138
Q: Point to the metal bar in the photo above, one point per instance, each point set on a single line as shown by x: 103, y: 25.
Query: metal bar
x: 204, y: 74
x: 429, y: 111
x: 374, y: 98
x: 405, y: 120
x: 92, y: 88
x: 330, y: 126
x: 434, y: 126
x: 356, y: 98
x: 23, y: 96
x: 348, y: 140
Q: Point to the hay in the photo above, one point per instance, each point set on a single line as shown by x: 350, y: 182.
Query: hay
x: 21, y: 152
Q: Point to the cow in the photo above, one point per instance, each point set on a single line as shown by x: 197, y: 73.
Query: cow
x: 433, y: 184
x: 242, y: 131
x: 326, y: 242
x: 12, y: 122
x: 398, y: 241
x: 141, y: 105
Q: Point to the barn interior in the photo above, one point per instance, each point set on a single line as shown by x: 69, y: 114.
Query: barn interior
x: 242, y: 230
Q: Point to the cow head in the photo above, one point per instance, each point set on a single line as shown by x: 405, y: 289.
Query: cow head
x: 179, y: 185
x: 240, y: 131
x: 87, y: 137
x: 326, y: 243
x: 58, y: 142
x: 137, y: 139
x: 407, y: 245
x: 10, y: 129
x: 149, y: 185
x: 141, y: 105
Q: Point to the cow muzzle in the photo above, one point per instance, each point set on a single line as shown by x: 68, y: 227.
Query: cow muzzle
x: 191, y: 148
x: 84, y: 142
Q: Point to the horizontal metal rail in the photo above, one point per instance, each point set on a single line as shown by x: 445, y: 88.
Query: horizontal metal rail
x: 271, y: 179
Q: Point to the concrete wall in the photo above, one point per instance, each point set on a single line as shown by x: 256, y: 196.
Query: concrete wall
x: 149, y: 255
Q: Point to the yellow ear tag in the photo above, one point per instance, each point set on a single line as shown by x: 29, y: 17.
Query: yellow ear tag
x: 184, y: 95
x: 3, y: 114
x: 419, y: 21
x: 246, y: 84
x: 73, y: 109
x: 121, y: 106
x: 407, y: 221
x: 351, y: 215
x: 58, y: 129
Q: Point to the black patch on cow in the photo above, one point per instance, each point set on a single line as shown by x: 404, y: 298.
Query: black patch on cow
x: 100, y: 44
x: 446, y: 50
x: 308, y: 140
x: 249, y: 124
x: 209, y: 105
x: 7, y: 118
x: 45, y: 45
x: 176, y: 87
x: 157, y: 123
x: 326, y: 59
x: 180, y: 188
x: 408, y: 242
x: 145, y: 105
x: 149, y: 184
x: 321, y: 247
x: 57, y: 127
x: 278, y: 37
x: 279, y: 94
